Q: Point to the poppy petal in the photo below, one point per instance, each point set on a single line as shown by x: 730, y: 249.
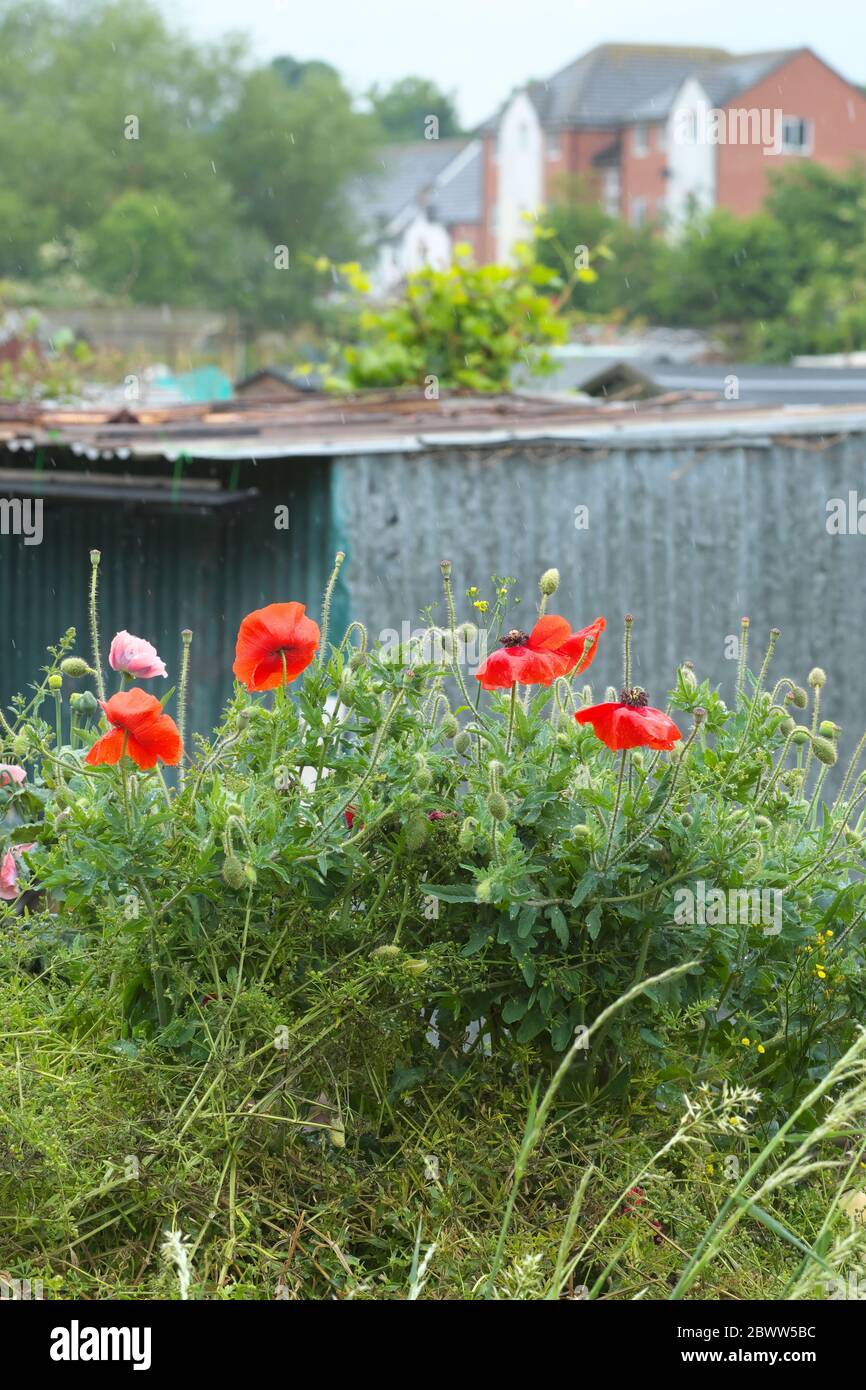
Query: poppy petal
x: 497, y: 672
x: 549, y: 633
x: 573, y: 648
x: 266, y: 636
x: 108, y: 749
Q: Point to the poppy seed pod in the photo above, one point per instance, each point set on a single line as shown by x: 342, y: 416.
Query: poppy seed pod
x: 463, y: 743
x: 817, y: 677
x: 84, y: 701
x: 827, y: 729
x: 75, y: 667
x: 824, y: 751
x: 497, y: 806
x: 549, y: 582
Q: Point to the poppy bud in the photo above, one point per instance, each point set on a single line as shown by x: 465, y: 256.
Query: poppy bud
x: 344, y: 692
x: 549, y: 582
x: 817, y: 678
x: 581, y: 832
x: 586, y: 695
x: 463, y: 743
x: 787, y: 725
x: 234, y: 873
x: 688, y: 677
x: 798, y: 697
x: 337, y: 1135
x: 386, y: 952
x: 610, y: 696
x: 484, y: 890
x: 449, y: 728
x: 76, y: 666
x: 763, y: 823
x: 445, y: 567
x: 686, y: 819
x: 55, y: 682
x: 466, y: 835
x: 827, y: 729
x: 497, y: 806
x: 824, y: 751
x: 852, y: 836
x: 423, y: 775
x: 20, y: 745
x: 416, y: 832
x: 799, y: 737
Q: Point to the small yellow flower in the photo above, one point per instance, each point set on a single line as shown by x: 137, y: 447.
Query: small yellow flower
x: 829, y: 933
x: 746, y: 1042
x: 481, y: 604
x: 761, y: 1047
x: 734, y: 1120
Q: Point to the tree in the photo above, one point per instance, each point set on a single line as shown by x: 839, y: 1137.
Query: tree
x: 289, y: 153
x: 403, y: 110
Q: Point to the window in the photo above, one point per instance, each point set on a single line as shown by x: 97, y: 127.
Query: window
x: 639, y: 208
x: 610, y: 192
x: 796, y: 136
x: 554, y: 148
x: 661, y: 138
x: 640, y: 141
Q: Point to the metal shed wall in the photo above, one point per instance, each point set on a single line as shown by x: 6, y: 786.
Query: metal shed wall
x: 163, y: 570
x: 686, y: 537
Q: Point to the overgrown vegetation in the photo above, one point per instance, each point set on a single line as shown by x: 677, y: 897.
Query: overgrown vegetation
x: 428, y: 976
x: 786, y: 280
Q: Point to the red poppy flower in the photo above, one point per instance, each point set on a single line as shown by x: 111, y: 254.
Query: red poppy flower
x: 631, y: 723
x: 140, y: 729
x: 267, y: 637
x: 349, y: 816
x: 551, y: 649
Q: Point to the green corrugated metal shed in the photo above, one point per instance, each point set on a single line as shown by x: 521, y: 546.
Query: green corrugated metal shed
x: 195, y: 558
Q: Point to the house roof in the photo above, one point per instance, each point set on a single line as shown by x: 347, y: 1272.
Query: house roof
x: 721, y: 81
x: 615, y: 84
x: 443, y: 174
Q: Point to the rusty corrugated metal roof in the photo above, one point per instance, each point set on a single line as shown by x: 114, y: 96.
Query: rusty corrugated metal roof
x: 397, y: 421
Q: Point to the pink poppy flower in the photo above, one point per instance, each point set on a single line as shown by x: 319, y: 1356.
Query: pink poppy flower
x: 10, y: 774
x: 9, y: 889
x: 135, y: 657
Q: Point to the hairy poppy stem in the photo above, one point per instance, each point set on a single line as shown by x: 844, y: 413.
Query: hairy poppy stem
x: 511, y: 708
x: 326, y: 607
x: 445, y: 567
x: 741, y: 664
x: 849, y: 773
x: 623, y: 763
x: 626, y: 652
x: 94, y: 623
x: 699, y: 716
x: 186, y: 638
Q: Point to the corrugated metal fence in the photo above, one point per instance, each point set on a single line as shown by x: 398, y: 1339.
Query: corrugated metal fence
x: 688, y: 538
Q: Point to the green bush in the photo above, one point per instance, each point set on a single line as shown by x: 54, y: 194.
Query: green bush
x: 419, y: 891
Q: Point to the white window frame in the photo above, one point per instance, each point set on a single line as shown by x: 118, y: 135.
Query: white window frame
x: 554, y: 144
x: 640, y: 140
x: 807, y: 129
x: 639, y: 211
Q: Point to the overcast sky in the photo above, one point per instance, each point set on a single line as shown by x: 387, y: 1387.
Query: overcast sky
x: 483, y: 48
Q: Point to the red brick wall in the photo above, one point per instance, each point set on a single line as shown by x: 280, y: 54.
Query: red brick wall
x: 643, y: 176
x: 473, y: 233
x: 487, y: 231
x: 803, y: 87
